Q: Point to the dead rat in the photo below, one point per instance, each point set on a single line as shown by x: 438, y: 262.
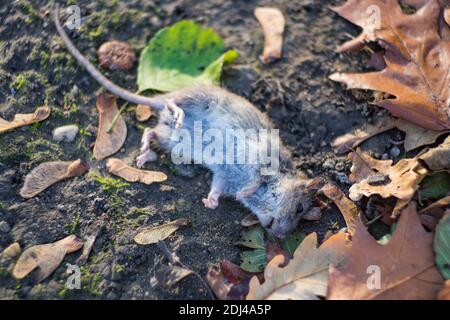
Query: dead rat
x: 278, y: 199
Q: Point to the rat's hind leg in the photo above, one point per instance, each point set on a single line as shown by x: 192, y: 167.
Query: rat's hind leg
x: 146, y: 153
x: 147, y: 137
x: 212, y: 202
x: 144, y: 157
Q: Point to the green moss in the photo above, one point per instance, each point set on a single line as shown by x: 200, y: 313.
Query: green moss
x: 20, y: 82
x: 96, y: 33
x: 100, y: 257
x: 118, y: 268
x: 134, y: 212
x: 74, y: 224
x: 109, y: 184
x: 90, y: 282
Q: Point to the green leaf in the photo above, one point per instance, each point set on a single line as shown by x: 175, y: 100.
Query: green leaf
x: 292, y: 242
x: 253, y: 260
x: 253, y: 238
x: 435, y: 186
x: 442, y: 246
x: 182, y: 55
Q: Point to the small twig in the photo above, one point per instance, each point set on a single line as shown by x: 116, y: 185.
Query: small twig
x: 175, y: 260
x: 368, y: 223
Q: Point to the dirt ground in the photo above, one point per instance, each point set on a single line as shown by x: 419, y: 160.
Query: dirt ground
x: 35, y: 69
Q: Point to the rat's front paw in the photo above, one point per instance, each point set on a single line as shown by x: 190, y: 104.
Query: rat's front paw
x: 211, y: 203
x: 178, y: 114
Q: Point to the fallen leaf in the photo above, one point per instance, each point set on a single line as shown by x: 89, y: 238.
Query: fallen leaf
x: 184, y: 54
x: 438, y: 204
x: 272, y: 23
x: 116, y: 55
x: 444, y: 294
x: 402, y: 269
x: 306, y: 275
x: 349, y: 141
x: 170, y: 275
x: 438, y: 159
x: 48, y: 173
x: 119, y: 168
x: 143, y: 113
x: 229, y: 282
x: 292, y: 241
x: 106, y: 143
x: 442, y: 245
x: 435, y: 186
x: 45, y: 257
x: 256, y: 259
x: 401, y: 180
x: 20, y: 119
x: 417, y: 136
x: 349, y: 210
x: 417, y: 59
x: 154, y: 234
x: 252, y: 238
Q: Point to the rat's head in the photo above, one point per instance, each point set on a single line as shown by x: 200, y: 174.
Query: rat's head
x: 280, y: 204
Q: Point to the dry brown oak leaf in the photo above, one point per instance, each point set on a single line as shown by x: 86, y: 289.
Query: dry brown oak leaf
x: 372, y: 176
x: 306, y: 275
x: 402, y: 269
x: 417, y: 60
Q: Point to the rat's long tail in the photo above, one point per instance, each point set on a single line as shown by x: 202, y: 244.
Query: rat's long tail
x: 97, y: 75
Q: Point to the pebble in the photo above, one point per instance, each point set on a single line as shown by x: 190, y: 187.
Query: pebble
x: 66, y: 133
x: 4, y: 227
x: 395, y: 152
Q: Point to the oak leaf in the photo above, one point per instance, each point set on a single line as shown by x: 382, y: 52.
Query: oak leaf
x: 417, y: 59
x: 401, y: 269
x: 372, y: 176
x: 305, y: 277
x: 349, y: 210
